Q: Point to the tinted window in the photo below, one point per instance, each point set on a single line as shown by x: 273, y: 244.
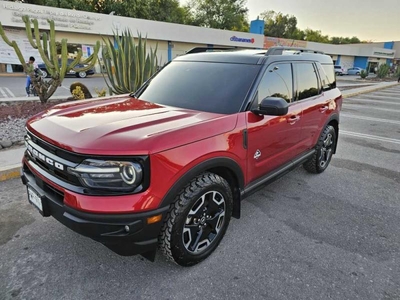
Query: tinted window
x: 328, y: 82
x: 307, y: 81
x: 276, y: 82
x: 330, y: 73
x: 212, y: 87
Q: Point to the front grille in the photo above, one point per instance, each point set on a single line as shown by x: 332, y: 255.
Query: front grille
x: 54, y: 193
x: 51, y: 159
x: 64, y: 154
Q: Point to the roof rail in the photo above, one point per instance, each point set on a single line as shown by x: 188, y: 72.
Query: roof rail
x: 206, y: 49
x: 279, y: 50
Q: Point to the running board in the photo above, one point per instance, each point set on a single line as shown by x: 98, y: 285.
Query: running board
x: 276, y: 174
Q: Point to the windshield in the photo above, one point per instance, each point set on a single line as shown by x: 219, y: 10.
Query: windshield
x: 204, y: 86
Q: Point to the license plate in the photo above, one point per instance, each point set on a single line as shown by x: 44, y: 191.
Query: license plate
x: 35, y: 199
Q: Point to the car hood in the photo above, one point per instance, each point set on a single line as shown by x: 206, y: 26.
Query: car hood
x: 124, y: 125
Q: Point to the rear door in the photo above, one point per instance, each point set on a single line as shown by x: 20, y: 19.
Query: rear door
x: 315, y: 99
x: 273, y: 140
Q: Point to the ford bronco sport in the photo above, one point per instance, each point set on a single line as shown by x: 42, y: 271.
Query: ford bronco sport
x: 168, y: 166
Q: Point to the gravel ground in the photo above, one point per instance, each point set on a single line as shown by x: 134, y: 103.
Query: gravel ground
x: 13, y: 117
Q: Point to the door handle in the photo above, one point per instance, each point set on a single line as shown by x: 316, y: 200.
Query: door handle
x: 293, y: 119
x: 324, y: 108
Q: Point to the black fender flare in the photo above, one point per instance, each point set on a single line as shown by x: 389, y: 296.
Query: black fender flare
x: 216, y: 162
x: 333, y: 117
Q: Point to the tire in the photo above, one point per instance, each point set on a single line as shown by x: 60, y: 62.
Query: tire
x: 203, y: 208
x: 45, y: 74
x: 324, y: 151
x: 81, y: 74
x: 358, y: 73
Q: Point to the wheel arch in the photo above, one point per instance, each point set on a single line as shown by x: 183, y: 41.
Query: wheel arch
x: 225, y: 167
x: 334, y: 122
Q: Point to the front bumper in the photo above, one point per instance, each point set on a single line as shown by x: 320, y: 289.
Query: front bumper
x: 108, y: 229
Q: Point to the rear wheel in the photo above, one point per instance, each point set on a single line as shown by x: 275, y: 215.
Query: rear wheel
x: 81, y: 74
x: 324, y: 151
x: 197, y: 220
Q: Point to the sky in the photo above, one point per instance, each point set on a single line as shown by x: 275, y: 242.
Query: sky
x: 372, y: 20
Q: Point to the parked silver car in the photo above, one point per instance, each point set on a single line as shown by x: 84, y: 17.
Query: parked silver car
x: 354, y: 71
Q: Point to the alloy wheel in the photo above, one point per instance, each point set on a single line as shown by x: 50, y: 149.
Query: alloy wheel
x: 326, y: 150
x: 204, y: 222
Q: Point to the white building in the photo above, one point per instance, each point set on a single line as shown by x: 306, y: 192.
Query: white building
x: 83, y: 29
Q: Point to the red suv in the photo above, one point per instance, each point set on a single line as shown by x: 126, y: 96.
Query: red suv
x: 169, y: 165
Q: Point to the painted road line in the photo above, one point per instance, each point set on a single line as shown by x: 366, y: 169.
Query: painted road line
x: 369, y: 119
x: 370, y: 137
x: 3, y: 93
x: 9, y: 92
x: 352, y: 100
x: 372, y: 107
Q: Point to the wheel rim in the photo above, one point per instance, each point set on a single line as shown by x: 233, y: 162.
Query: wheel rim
x: 82, y: 74
x: 326, y: 151
x: 204, y: 222
x: 44, y: 74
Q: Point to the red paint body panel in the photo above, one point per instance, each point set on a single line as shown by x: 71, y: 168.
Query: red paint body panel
x: 176, y: 141
x: 125, y: 126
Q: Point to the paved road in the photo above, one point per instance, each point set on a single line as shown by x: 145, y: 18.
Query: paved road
x: 329, y: 236
x: 11, y: 87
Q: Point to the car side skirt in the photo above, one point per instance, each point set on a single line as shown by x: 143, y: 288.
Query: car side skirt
x: 276, y: 174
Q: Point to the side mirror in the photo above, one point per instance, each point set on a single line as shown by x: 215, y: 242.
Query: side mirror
x: 273, y: 106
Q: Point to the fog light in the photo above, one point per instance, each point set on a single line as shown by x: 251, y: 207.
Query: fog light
x: 127, y: 228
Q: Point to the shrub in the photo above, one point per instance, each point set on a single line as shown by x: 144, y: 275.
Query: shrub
x: 78, y: 94
x: 100, y: 93
x: 363, y: 74
x: 383, y: 71
x: 82, y: 88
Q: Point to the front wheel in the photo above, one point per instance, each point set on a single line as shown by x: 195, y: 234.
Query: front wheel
x: 323, y: 151
x: 81, y: 74
x: 197, y: 220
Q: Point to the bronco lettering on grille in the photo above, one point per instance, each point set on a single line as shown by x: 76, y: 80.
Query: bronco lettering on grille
x: 36, y: 154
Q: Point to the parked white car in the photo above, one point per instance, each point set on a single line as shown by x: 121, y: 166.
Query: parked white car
x: 339, y: 70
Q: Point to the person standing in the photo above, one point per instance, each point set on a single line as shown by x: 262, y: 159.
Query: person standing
x: 31, y: 63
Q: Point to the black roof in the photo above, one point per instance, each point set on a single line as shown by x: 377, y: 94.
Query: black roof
x: 253, y: 56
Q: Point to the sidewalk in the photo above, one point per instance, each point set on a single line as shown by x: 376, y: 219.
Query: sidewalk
x: 10, y: 160
x: 10, y: 163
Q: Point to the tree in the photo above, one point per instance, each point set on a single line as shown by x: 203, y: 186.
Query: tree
x: 166, y: 11
x: 219, y: 14
x: 280, y: 25
x: 344, y: 40
x: 315, y: 36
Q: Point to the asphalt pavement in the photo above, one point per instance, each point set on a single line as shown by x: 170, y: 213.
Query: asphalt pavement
x: 329, y: 236
x: 14, y: 86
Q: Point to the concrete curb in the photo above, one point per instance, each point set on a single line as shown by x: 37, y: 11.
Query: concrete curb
x: 369, y: 89
x: 10, y: 172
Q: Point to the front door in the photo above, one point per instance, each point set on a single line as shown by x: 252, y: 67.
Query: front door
x: 273, y: 140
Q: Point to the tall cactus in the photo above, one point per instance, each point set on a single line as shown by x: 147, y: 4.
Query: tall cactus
x: 57, y: 69
x: 128, y: 65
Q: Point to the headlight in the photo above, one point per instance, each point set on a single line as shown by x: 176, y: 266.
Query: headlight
x: 110, y: 175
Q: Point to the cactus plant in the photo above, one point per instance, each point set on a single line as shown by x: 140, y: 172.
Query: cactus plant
x: 128, y: 65
x: 77, y: 86
x: 57, y: 69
